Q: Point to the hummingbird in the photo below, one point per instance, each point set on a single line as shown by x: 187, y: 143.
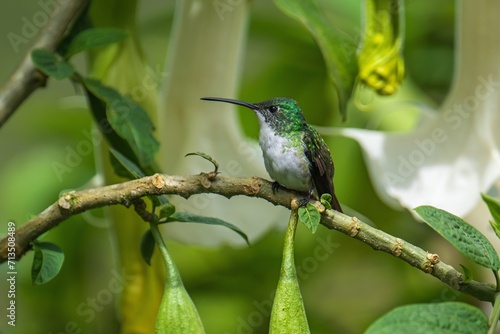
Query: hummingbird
x: 295, y: 155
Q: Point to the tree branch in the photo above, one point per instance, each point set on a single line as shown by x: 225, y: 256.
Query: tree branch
x: 26, y: 78
x: 127, y: 193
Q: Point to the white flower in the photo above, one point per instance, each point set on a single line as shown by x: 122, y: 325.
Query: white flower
x: 452, y: 155
x: 204, y: 61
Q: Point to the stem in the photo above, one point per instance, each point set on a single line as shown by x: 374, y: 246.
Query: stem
x: 497, y: 280
x: 288, y: 262
x: 495, y: 313
x: 160, y: 243
x: 172, y: 276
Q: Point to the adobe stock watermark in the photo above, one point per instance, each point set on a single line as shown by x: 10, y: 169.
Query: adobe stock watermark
x: 323, y: 250
x: 447, y: 294
x: 94, y: 137
x: 224, y: 6
x: 30, y: 26
x: 87, y: 310
x: 452, y: 120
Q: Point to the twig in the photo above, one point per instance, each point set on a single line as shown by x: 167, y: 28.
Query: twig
x: 127, y: 193
x: 26, y: 78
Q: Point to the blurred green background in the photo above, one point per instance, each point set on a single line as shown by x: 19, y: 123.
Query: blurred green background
x: 345, y: 284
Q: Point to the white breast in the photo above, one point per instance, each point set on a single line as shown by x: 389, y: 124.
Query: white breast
x: 285, y: 164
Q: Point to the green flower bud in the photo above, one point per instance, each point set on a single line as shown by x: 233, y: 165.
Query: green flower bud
x: 288, y: 314
x: 177, y: 313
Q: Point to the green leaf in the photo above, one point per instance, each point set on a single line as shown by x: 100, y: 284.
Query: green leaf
x: 326, y: 200
x: 496, y: 227
x: 94, y: 38
x: 166, y: 210
x: 51, y: 65
x: 464, y: 237
x: 467, y: 274
x: 310, y: 216
x: 339, y: 55
x: 187, y: 217
x: 98, y: 108
x: 288, y: 314
x: 47, y: 262
x: 494, y: 207
x: 160, y: 200
x: 129, y: 120
x: 438, y: 318
x: 123, y: 166
x: 147, y: 246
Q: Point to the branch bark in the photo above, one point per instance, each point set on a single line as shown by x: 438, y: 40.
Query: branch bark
x: 127, y: 193
x: 26, y: 78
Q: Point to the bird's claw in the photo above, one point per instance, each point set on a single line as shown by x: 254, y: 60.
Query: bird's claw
x: 303, y: 201
x: 275, y: 187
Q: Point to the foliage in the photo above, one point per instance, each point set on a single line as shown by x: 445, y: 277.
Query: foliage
x: 341, y: 66
x: 464, y: 237
x: 130, y: 132
x: 47, y: 262
x: 494, y: 206
x: 309, y: 216
x: 450, y: 317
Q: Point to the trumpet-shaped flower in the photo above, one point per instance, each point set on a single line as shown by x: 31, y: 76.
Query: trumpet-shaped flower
x: 453, y: 155
x: 208, y: 48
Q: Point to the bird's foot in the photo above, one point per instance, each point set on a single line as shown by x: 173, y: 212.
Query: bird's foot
x: 304, y: 200
x: 275, y: 187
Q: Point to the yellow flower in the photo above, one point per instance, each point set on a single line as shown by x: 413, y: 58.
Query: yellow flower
x: 381, y: 65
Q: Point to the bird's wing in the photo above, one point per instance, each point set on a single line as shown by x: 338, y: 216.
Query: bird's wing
x: 320, y: 166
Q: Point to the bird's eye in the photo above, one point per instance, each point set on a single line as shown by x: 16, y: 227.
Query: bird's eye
x: 273, y: 109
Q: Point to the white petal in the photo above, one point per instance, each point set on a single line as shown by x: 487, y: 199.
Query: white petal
x: 204, y: 61
x: 453, y: 156
x: 443, y: 163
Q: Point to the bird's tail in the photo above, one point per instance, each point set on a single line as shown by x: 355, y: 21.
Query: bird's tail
x: 335, y: 204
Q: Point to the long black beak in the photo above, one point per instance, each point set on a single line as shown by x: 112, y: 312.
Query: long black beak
x: 238, y: 102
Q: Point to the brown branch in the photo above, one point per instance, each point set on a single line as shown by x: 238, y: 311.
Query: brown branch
x: 128, y: 193
x: 26, y: 78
